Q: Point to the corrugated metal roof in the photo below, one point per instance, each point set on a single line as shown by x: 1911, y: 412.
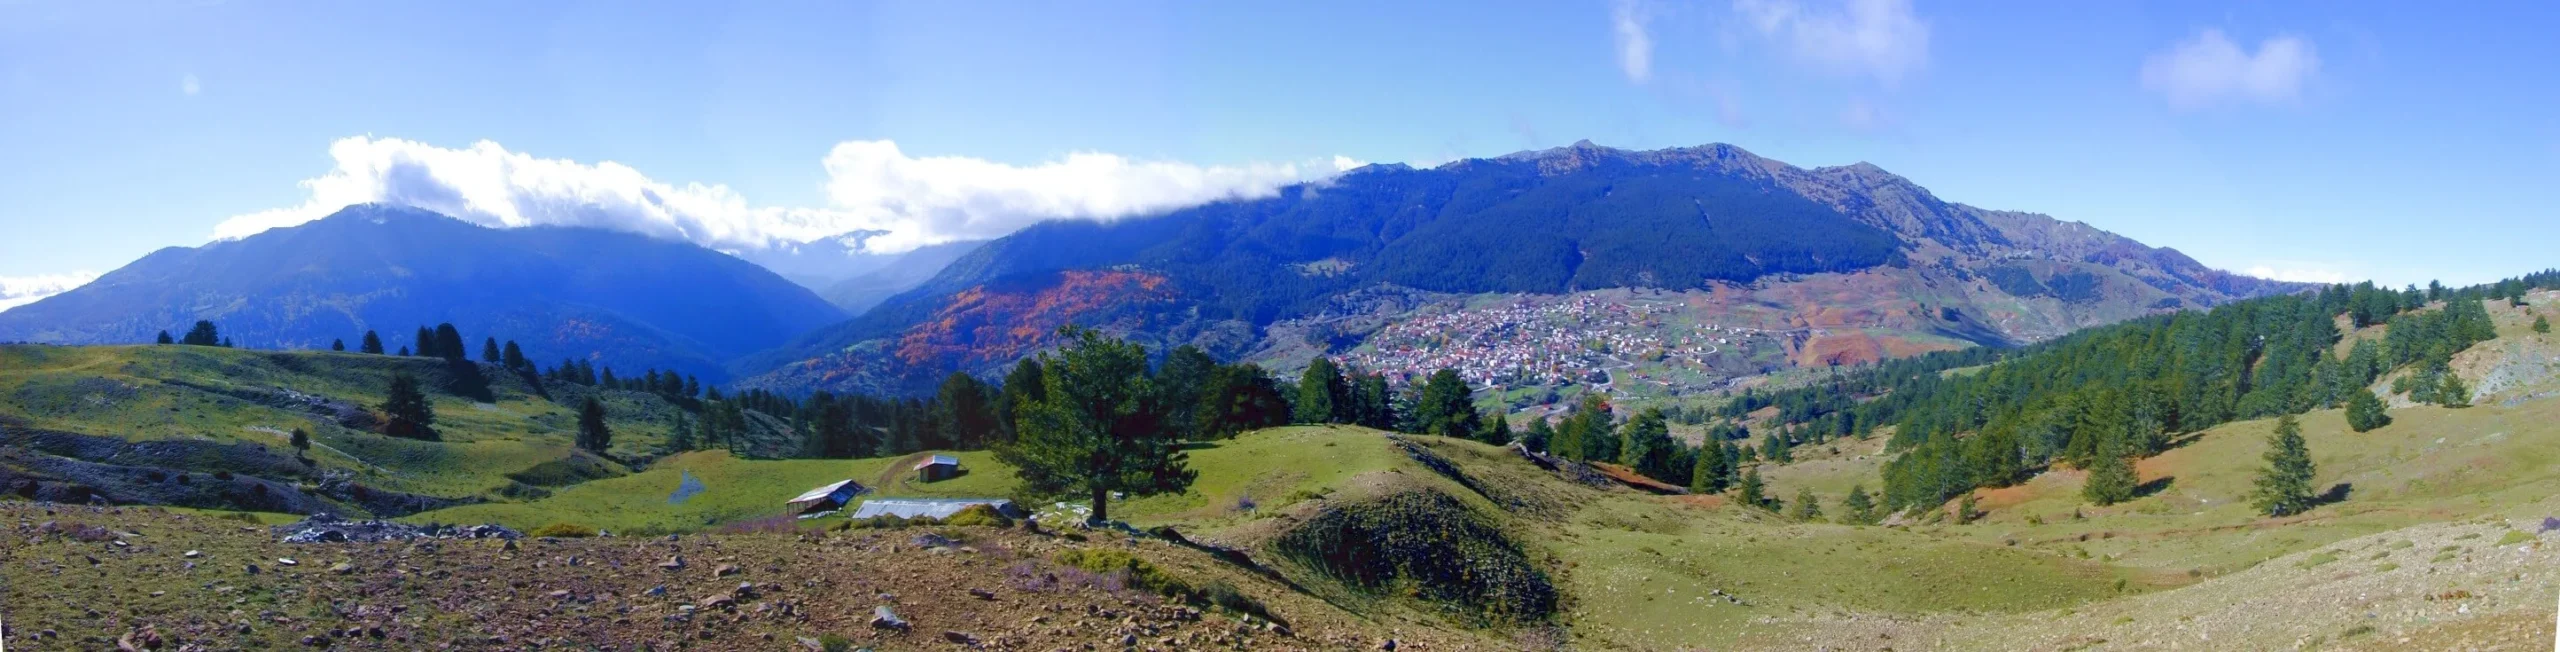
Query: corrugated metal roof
x: 925, y: 507
x: 824, y: 492
x: 938, y: 459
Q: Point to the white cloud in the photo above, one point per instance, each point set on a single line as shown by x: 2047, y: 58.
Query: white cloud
x: 1635, y: 44
x: 22, y: 290
x: 190, y: 86
x: 2298, y: 274
x: 872, y: 185
x: 1884, y: 39
x: 2210, y: 69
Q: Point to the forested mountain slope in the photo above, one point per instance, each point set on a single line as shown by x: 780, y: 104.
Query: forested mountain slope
x: 1552, y: 222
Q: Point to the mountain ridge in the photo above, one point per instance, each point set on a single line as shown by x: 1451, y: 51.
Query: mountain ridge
x: 1551, y: 222
x: 614, y: 297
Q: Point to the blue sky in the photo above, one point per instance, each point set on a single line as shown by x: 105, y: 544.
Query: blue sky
x: 2314, y: 140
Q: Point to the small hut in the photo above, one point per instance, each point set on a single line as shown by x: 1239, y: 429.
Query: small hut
x: 937, y: 468
x: 825, y: 499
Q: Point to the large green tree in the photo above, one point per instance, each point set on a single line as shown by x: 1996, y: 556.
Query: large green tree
x: 1446, y: 407
x: 963, y: 413
x: 1239, y: 398
x: 1646, y: 446
x: 1321, y: 392
x: 372, y: 343
x: 203, y: 334
x: 1183, y: 377
x: 2284, y: 485
x: 1100, y: 428
x: 2365, y: 412
x: 593, y: 435
x: 409, y: 413
x: 2111, y: 476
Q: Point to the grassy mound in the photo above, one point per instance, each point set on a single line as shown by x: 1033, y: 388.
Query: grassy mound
x: 1427, y: 544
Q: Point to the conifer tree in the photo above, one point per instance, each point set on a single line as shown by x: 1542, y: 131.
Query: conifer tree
x: 513, y: 357
x: 301, y: 441
x: 165, y: 339
x: 681, y: 439
x: 1646, y: 445
x: 2453, y: 393
x: 593, y: 435
x: 2111, y: 476
x: 2284, y: 486
x: 372, y: 344
x: 1755, y: 492
x: 404, y: 352
x: 1098, y: 430
x: 203, y: 334
x: 1808, y: 508
x: 1540, y: 435
x: 1446, y: 408
x: 1714, y: 471
x: 410, y: 414
x: 2541, y: 324
x: 1858, y: 508
x: 1965, y: 512
x: 425, y: 344
x: 449, y: 344
x: 1497, y: 429
x: 489, y: 351
x: 1320, y: 388
x: 2364, y: 412
x: 338, y: 345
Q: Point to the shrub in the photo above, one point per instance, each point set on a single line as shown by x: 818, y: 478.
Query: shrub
x: 1140, y: 574
x: 2514, y: 537
x: 979, y: 516
x: 564, y: 531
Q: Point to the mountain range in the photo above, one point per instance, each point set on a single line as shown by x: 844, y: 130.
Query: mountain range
x: 1751, y: 264
x: 616, y: 298
x: 1712, y: 220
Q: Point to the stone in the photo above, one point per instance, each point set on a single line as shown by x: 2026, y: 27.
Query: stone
x: 674, y: 562
x: 725, y: 570
x: 883, y: 618
x: 342, y: 568
x: 287, y: 561
x: 959, y: 637
x: 191, y: 554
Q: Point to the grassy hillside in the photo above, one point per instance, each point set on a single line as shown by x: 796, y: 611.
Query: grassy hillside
x: 214, y: 397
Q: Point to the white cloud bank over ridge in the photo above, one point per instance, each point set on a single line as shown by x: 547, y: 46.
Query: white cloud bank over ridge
x: 871, y: 185
x: 2210, y: 69
x: 2298, y: 274
x: 22, y: 290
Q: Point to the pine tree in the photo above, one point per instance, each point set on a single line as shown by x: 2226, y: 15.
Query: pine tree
x: 2284, y: 486
x: 410, y: 414
x: 449, y: 344
x: 681, y: 439
x: 513, y: 357
x: 1714, y: 471
x: 1808, y: 508
x: 1319, y: 391
x: 2111, y: 476
x: 203, y: 334
x: 593, y: 435
x: 1446, y: 408
x: 1496, y: 430
x: 1098, y: 431
x: 1755, y: 492
x: 489, y: 351
x: 1965, y: 511
x: 1646, y: 445
x: 165, y: 339
x: 2541, y: 324
x: 404, y: 352
x: 1540, y: 434
x: 2453, y: 393
x: 2364, y: 412
x: 1858, y: 508
x: 338, y: 345
x: 425, y: 344
x: 372, y: 344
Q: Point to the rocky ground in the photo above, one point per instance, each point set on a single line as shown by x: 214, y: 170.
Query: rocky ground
x: 103, y: 578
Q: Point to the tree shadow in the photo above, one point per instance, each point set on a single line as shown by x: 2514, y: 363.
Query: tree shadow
x: 1196, y: 445
x: 2147, y: 489
x: 2337, y: 493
